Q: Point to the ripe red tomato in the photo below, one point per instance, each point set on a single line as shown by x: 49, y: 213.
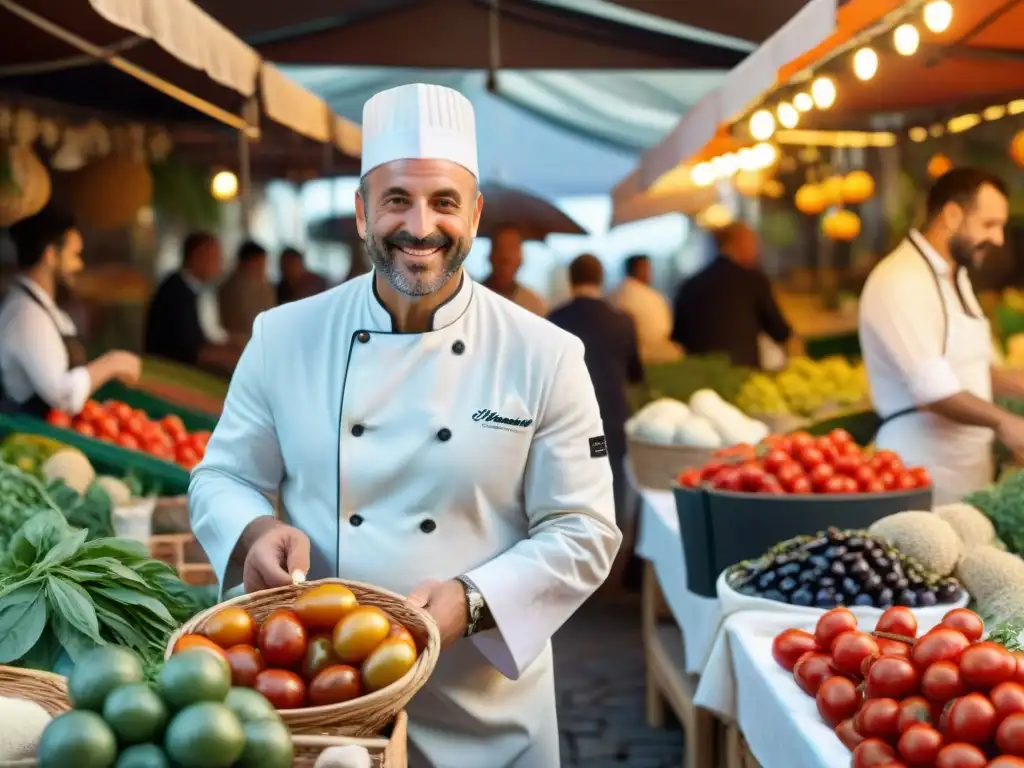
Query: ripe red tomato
x: 1008, y: 699
x: 334, y: 685
x: 246, y: 664
x: 776, y: 460
x: 173, y: 425
x: 886, y: 478
x: 891, y: 677
x: 1006, y: 761
x: 800, y: 485
x: 186, y: 457
x: 135, y: 427
x: 282, y: 639
x: 872, y: 753
x: 847, y: 464
x: 283, y: 689
x: 728, y: 480
x: 850, y: 649
x: 58, y: 419
x: 847, y: 734
x: 712, y: 468
x: 1019, y: 675
x: 831, y: 625
x: 819, y: 476
x: 128, y: 441
x: 751, y: 478
x: 770, y: 485
x: 812, y: 670
x: 921, y: 476
x: 986, y: 665
x: 939, y: 644
x: 966, y: 622
x: 837, y: 700
x: 905, y: 482
x: 972, y: 719
x: 840, y: 436
x: 864, y: 476
x: 106, y: 428
x: 789, y: 471
x: 878, y: 718
x: 690, y: 478
x: 889, y: 647
x: 84, y: 428
x: 833, y: 485
x: 799, y: 440
x: 914, y: 711
x: 941, y: 682
x: 920, y: 744
x: 960, y: 756
x: 898, y: 620
x: 893, y: 461
x: 811, y: 458
x: 1010, y: 735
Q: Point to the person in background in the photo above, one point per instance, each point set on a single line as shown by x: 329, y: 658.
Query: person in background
x: 506, y: 259
x: 297, y: 282
x: 649, y: 310
x: 611, y: 356
x: 181, y: 321
x: 927, y: 344
x: 360, y: 261
x: 727, y: 305
x: 246, y: 292
x: 42, y: 363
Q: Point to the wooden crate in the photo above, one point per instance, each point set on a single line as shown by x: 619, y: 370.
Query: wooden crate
x: 179, y: 550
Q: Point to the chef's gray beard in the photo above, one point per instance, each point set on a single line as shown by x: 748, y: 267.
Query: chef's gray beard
x: 418, y: 283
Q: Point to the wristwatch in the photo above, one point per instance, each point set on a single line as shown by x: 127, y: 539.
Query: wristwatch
x: 476, y: 607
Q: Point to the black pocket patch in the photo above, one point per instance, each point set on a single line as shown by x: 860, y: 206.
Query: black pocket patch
x: 598, y: 447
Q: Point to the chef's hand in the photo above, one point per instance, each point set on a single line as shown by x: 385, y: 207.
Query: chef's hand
x: 123, y: 366
x: 277, y: 555
x: 1011, y: 433
x: 446, y: 602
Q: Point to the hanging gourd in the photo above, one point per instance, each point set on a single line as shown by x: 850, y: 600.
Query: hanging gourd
x: 841, y: 225
x: 1017, y: 148
x: 832, y: 190
x: 858, y: 186
x: 108, y: 193
x: 24, y: 184
x: 773, y: 189
x: 749, y: 183
x: 809, y: 199
x: 939, y: 165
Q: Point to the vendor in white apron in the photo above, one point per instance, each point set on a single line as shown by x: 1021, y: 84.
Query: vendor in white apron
x: 427, y: 436
x: 927, y: 344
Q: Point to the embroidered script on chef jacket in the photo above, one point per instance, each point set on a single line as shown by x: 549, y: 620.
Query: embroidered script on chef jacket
x: 493, y: 420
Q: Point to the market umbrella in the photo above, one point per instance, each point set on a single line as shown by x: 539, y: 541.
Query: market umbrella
x: 534, y: 217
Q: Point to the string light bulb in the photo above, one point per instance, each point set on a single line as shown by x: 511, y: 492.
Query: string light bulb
x: 224, y: 186
x: 823, y: 91
x: 702, y: 175
x: 803, y: 102
x: 938, y: 15
x: 762, y: 125
x: 865, y: 63
x: 906, y: 39
x: 787, y: 115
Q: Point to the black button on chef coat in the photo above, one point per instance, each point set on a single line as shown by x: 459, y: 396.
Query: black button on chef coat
x: 428, y: 526
x: 458, y: 347
x: 363, y: 336
x: 355, y: 520
x: 444, y: 434
x: 357, y: 430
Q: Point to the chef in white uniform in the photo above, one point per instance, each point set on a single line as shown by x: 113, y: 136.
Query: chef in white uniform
x: 427, y: 436
x: 927, y: 344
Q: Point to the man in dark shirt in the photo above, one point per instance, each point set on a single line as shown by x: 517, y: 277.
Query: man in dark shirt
x: 297, y: 281
x: 173, y: 327
x: 728, y: 304
x: 610, y: 345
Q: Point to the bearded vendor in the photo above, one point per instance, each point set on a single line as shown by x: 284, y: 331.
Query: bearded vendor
x: 427, y: 436
x: 927, y: 345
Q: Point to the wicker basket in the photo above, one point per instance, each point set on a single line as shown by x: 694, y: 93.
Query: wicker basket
x: 385, y: 752
x: 370, y: 714
x: 657, y: 466
x: 47, y: 690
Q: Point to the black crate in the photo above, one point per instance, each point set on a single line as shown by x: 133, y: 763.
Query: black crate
x: 722, y: 528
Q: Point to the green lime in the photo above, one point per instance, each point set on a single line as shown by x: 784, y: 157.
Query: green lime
x: 136, y: 713
x: 79, y: 738
x: 205, y: 735
x: 193, y: 676
x: 250, y: 706
x: 267, y: 745
x: 100, y: 671
x: 143, y: 756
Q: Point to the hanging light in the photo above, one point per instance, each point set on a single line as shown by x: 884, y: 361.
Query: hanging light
x: 224, y: 186
x: 747, y: 159
x: 938, y: 15
x: 764, y: 155
x: 762, y: 125
x: 803, y: 102
x: 702, y: 175
x: 787, y: 115
x: 865, y: 63
x: 823, y: 91
x: 918, y: 134
x: 905, y: 39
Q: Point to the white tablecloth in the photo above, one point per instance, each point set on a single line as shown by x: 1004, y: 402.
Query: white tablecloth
x: 660, y: 544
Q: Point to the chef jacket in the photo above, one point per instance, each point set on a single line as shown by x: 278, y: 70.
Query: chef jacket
x: 36, y: 363
x: 474, y: 448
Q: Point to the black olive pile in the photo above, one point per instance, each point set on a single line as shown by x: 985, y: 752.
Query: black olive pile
x: 842, y: 568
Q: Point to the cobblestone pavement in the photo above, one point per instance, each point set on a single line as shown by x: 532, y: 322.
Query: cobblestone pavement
x: 599, y: 676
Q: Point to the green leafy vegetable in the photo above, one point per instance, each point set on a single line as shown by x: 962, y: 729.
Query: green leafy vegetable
x: 1007, y: 635
x: 1003, y: 504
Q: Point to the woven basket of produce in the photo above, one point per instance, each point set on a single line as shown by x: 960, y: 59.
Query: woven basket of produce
x: 385, y: 752
x: 43, y: 695
x: 362, y: 652
x: 44, y: 688
x: 657, y: 466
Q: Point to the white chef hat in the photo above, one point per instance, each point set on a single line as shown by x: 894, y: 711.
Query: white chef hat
x: 419, y: 121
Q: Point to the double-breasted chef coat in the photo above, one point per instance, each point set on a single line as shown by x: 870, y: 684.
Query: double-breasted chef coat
x: 924, y: 338
x: 475, y: 448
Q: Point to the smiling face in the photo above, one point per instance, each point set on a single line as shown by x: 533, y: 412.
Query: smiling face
x: 418, y: 219
x: 978, y: 227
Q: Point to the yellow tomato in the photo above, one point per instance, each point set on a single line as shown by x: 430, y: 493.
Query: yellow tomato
x: 359, y: 633
x: 231, y: 626
x: 388, y: 663
x: 324, y: 606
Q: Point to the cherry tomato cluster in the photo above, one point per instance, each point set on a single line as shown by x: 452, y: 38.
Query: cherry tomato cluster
x: 945, y: 699
x: 801, y: 464
x: 119, y: 423
x: 326, y: 650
